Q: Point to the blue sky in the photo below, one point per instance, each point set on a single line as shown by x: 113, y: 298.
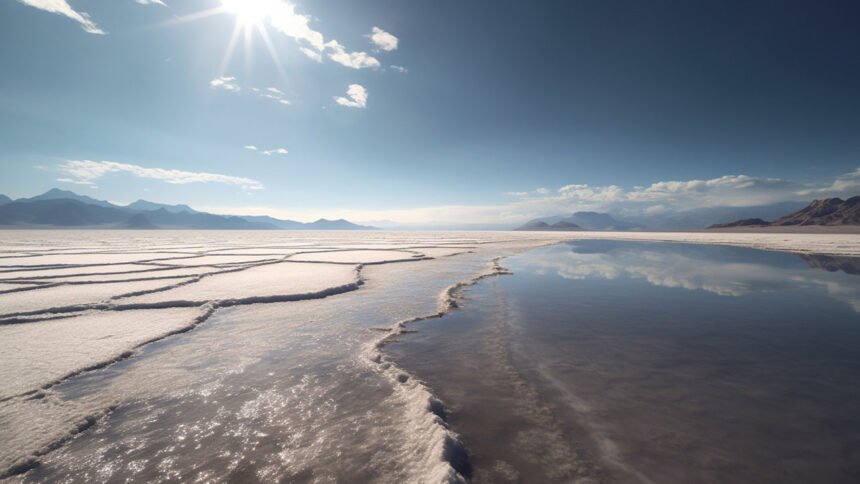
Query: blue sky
x: 431, y: 112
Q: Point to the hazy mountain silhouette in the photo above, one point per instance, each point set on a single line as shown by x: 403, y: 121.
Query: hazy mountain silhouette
x: 593, y: 221
x: 145, y: 205
x: 339, y: 224
x: 540, y: 225
x: 57, y: 194
x: 62, y: 208
x: 4, y: 199
x: 60, y: 212
x: 698, y: 218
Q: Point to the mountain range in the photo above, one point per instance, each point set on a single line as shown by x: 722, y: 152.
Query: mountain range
x: 581, y: 221
x: 591, y: 221
x: 540, y: 225
x: 698, y: 218
x: 63, y: 208
x: 830, y: 211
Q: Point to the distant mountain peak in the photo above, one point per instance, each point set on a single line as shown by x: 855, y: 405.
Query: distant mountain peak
x: 146, y: 205
x: 540, y: 225
x: 829, y: 211
x: 582, y: 221
x: 58, y: 194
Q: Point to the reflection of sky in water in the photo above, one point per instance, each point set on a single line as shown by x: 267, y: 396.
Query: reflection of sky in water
x: 727, y: 271
x: 652, y: 362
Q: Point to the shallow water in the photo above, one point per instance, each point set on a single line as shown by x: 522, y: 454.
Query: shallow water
x: 601, y: 361
x: 594, y: 362
x: 263, y: 369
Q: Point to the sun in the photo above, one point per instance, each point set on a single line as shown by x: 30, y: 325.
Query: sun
x: 249, y: 12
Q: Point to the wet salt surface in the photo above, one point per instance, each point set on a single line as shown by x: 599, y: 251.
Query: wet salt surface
x: 253, y: 387
x: 602, y: 361
x: 263, y: 367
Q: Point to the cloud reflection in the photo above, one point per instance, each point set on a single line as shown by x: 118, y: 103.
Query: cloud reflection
x: 665, y: 267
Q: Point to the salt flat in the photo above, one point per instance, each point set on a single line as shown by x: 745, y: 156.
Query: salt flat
x: 102, y: 321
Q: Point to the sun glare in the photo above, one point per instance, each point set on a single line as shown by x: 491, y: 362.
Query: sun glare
x: 249, y: 12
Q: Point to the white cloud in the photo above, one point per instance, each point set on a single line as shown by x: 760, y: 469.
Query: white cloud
x: 251, y: 147
x: 77, y: 182
x: 276, y: 151
x: 731, y: 190
x: 232, y: 85
x: 357, y: 97
x: 285, y: 20
x: 87, y: 172
x: 62, y: 7
x: 844, y: 185
x: 400, y: 69
x: 311, y: 53
x: 227, y: 83
x: 383, y: 39
x: 542, y: 191
x: 272, y: 93
x: 356, y: 60
x: 150, y: 2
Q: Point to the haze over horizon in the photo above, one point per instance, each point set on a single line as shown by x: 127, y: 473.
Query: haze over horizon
x: 430, y: 113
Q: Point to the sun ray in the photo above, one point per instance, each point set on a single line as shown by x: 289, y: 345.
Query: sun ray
x: 267, y: 41
x: 192, y: 17
x: 231, y: 46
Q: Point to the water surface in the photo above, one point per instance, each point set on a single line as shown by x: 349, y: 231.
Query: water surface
x: 601, y: 361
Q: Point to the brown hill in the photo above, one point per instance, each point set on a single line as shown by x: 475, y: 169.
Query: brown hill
x: 830, y: 211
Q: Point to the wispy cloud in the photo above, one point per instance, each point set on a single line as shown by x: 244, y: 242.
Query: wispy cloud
x: 661, y: 196
x: 231, y: 84
x: 62, y: 7
x: 228, y: 83
x: 357, y: 97
x: 843, y: 185
x: 313, y: 54
x: 383, y: 40
x: 285, y: 20
x: 151, y: 2
x: 86, y: 172
x: 400, y: 69
x: 275, y: 151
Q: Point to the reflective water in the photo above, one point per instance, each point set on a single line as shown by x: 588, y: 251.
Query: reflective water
x: 602, y: 361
